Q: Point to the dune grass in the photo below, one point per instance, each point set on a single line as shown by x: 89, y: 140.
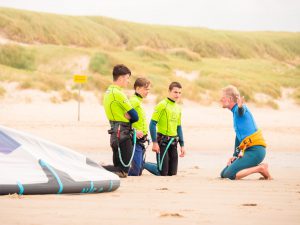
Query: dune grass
x: 2, y: 91
x: 101, y: 32
x: 17, y: 57
x: 185, y: 54
x: 102, y: 63
x: 58, y: 46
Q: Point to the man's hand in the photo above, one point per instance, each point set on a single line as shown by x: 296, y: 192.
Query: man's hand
x: 231, y: 160
x: 240, y: 101
x: 155, y: 147
x: 182, y: 152
x: 139, y: 134
x: 241, y: 154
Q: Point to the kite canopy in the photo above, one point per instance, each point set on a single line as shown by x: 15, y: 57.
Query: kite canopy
x: 30, y: 165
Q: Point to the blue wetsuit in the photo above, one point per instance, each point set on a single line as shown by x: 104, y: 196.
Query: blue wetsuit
x: 244, y: 125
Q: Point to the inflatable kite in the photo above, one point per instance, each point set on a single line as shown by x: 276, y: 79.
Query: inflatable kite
x: 30, y: 165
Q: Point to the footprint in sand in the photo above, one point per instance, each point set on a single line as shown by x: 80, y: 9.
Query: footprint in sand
x: 249, y: 204
x: 171, y: 215
x: 162, y: 189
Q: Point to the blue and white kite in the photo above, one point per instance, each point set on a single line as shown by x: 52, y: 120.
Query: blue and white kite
x: 30, y: 165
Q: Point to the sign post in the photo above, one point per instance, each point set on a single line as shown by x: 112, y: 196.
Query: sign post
x: 79, y: 79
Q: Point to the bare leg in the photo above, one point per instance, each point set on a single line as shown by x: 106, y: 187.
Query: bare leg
x: 262, y: 169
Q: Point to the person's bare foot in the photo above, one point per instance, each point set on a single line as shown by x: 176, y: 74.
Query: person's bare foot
x: 264, y: 171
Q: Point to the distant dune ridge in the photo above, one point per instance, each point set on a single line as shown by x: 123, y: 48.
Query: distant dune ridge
x: 43, y: 51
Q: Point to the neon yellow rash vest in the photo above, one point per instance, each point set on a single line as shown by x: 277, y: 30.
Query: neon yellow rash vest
x: 168, y: 116
x: 116, y: 104
x: 141, y: 124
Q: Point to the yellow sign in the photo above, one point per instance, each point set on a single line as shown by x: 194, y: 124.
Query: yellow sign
x: 77, y: 78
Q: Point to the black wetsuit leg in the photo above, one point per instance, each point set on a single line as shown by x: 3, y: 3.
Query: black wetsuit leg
x: 173, y: 160
x: 126, y: 153
x: 125, y: 145
x: 165, y: 163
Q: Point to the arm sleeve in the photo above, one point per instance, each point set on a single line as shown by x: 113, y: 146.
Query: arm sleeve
x: 152, y: 128
x: 180, y: 135
x: 179, y: 120
x: 157, y: 112
x: 133, y: 115
x: 124, y: 102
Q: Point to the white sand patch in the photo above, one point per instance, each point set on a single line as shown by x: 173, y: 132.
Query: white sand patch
x: 286, y: 101
x: 73, y: 65
x: 193, y: 75
x: 262, y: 98
x: 5, y: 41
x: 79, y: 64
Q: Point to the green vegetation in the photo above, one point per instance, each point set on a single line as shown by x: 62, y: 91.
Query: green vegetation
x: 101, y: 63
x: 148, y: 53
x: 45, y: 50
x: 17, y: 57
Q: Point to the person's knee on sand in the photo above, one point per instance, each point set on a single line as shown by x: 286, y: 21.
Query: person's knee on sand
x: 228, y: 173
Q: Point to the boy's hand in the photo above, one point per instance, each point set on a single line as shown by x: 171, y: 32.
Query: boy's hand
x: 182, y: 152
x: 139, y: 134
x: 127, y: 116
x: 155, y: 147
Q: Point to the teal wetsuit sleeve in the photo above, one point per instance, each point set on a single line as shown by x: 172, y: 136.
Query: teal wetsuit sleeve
x: 133, y: 115
x: 152, y: 128
x: 180, y: 135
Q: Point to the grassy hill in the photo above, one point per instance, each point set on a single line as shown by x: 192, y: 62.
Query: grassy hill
x: 44, y: 51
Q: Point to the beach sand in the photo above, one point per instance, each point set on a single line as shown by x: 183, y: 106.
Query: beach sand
x: 195, y: 196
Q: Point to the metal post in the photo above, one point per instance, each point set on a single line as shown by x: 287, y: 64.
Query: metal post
x: 79, y: 102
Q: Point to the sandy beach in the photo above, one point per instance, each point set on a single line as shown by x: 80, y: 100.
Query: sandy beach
x: 195, y: 196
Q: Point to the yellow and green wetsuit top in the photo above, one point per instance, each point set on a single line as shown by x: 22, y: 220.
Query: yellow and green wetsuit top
x: 141, y: 124
x: 116, y: 104
x: 167, y: 117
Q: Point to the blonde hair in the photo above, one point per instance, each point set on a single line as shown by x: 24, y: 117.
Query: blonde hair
x: 231, y: 91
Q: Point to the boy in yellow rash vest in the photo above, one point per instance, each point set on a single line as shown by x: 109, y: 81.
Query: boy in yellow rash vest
x: 121, y: 115
x: 142, y: 88
x: 250, y: 147
x: 167, y: 118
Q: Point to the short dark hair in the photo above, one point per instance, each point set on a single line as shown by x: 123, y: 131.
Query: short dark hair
x: 173, y: 85
x: 141, y: 82
x: 120, y: 70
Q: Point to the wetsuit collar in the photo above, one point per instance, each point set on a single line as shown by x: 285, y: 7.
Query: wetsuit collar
x: 116, y: 86
x: 171, y: 100
x: 138, y: 95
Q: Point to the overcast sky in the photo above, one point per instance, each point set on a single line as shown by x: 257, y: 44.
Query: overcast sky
x: 245, y: 15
